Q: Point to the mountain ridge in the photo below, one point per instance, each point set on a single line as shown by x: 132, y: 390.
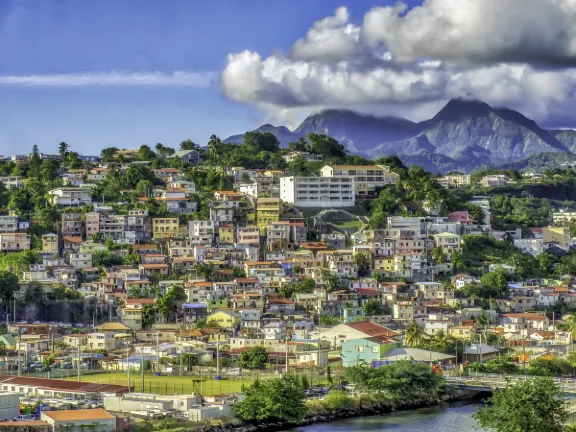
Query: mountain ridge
x: 465, y: 133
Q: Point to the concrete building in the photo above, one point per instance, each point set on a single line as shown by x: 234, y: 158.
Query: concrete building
x: 14, y: 242
x: 308, y: 157
x: 367, y: 178
x: 9, y: 405
x: 70, y: 196
x: 530, y: 245
x: 165, y: 228
x: 328, y: 192
x: 79, y: 420
x: 455, y: 180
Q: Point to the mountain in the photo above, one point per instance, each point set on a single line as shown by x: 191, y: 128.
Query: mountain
x: 463, y: 134
x: 359, y: 132
x: 566, y: 137
x: 283, y: 134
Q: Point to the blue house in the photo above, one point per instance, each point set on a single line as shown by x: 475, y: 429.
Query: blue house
x: 365, y: 350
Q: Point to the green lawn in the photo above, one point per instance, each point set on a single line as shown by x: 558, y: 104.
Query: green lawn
x: 348, y: 224
x: 170, y: 384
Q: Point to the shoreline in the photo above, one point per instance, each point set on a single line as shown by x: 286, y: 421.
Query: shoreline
x: 335, y: 415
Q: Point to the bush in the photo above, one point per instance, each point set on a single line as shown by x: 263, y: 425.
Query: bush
x: 340, y: 400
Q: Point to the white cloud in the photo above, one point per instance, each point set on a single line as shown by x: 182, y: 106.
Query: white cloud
x: 332, y: 38
x: 412, y: 60
x: 113, y: 78
x: 532, y: 31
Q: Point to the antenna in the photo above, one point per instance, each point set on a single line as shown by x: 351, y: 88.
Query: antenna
x: 326, y: 131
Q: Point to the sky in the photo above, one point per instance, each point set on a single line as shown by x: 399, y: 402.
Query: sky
x: 129, y: 72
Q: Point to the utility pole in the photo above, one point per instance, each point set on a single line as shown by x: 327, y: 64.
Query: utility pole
x: 19, y: 342
x: 286, y: 366
x: 158, y: 351
x: 181, y: 349
x: 142, y: 368
x: 128, y: 364
x: 79, y: 359
x: 218, y: 356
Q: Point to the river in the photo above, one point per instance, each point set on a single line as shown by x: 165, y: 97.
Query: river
x: 445, y: 418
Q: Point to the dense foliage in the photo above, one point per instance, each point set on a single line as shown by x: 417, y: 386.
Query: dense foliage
x: 535, y: 405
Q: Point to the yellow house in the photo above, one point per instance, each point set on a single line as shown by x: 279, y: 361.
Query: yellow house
x: 50, y: 243
x: 268, y: 210
x: 226, y: 233
x: 384, y: 264
x: 559, y: 235
x: 449, y: 242
x: 165, y: 228
x: 226, y: 319
x: 461, y: 332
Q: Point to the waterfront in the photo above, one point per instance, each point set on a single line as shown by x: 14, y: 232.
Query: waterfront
x: 445, y: 418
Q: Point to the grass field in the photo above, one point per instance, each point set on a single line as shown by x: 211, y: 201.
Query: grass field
x: 170, y: 384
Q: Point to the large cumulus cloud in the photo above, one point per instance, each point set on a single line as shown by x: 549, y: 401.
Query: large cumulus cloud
x: 518, y: 53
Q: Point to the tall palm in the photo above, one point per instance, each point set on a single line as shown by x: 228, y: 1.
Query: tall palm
x: 483, y: 321
x: 415, y: 335
x: 214, y: 148
x: 160, y: 149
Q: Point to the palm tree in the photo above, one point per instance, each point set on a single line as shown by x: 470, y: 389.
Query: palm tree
x: 214, y: 148
x: 415, y: 335
x: 159, y: 149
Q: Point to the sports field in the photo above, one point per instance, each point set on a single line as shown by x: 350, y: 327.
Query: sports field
x: 170, y: 384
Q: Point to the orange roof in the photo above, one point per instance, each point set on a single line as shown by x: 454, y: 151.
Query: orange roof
x: 73, y: 239
x: 81, y: 414
x: 313, y: 245
x: 136, y: 301
x: 154, y: 266
x: 373, y: 329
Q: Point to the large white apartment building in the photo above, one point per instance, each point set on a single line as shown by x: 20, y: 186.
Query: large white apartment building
x: 327, y: 192
x: 367, y: 178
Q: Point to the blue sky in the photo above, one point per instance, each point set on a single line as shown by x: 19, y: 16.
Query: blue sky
x: 100, y: 73
x: 141, y: 36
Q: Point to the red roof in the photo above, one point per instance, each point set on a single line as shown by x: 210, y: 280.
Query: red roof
x: 373, y: 329
x: 139, y: 301
x: 367, y: 291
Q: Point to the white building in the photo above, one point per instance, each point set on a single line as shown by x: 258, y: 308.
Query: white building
x: 70, y: 196
x: 532, y: 246
x: 200, y: 228
x: 308, y: 157
x: 455, y: 180
x: 367, y: 178
x: 327, y: 192
x: 13, y: 182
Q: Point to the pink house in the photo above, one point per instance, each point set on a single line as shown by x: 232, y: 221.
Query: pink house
x: 460, y: 216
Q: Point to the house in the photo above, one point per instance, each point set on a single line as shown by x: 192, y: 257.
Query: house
x: 80, y: 419
x: 308, y: 157
x: 14, y: 242
x: 556, y: 235
x: 99, y: 340
x: 366, y: 350
x: 281, y: 306
x: 50, y: 244
x: 479, y: 352
x: 70, y: 196
x: 194, y: 311
x: 267, y: 210
x: 165, y: 228
x: 493, y: 180
x: 455, y: 180
x: 415, y: 355
x: 188, y: 156
x: 358, y: 330
x: 226, y: 319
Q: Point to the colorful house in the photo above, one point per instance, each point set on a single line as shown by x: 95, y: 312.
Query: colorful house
x: 365, y: 350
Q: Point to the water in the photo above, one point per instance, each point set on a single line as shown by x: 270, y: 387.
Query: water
x: 449, y: 418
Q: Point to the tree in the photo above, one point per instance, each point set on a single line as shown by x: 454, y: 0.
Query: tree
x: 304, y: 287
x: 189, y: 145
x: 438, y: 255
x: 299, y: 146
x: 107, y: 154
x: 49, y: 360
x: 363, y: 263
x: 255, y: 358
x: 62, y: 150
x: 415, y: 335
x: 145, y: 153
x: 214, y: 148
x: 535, y: 405
x: 326, y: 146
x: 494, y: 284
x: 261, y: 141
x: 8, y: 286
x: 372, y: 307
x: 281, y: 399
x: 332, y: 281
x: 169, y: 303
